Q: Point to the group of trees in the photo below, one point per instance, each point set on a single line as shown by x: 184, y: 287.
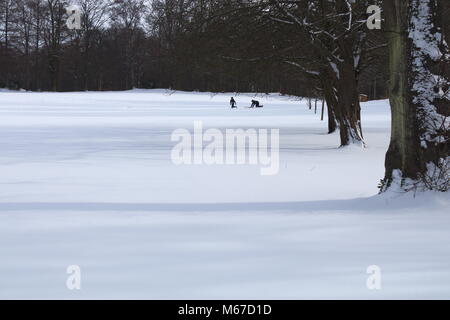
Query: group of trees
x: 181, y: 44
x: 316, y: 48
x: 39, y: 52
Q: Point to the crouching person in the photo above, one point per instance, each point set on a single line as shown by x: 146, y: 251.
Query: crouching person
x: 256, y: 104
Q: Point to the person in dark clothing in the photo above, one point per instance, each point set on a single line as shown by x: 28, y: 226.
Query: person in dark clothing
x: 233, y: 103
x: 256, y: 104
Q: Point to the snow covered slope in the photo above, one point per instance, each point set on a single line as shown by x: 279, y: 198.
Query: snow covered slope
x: 86, y: 179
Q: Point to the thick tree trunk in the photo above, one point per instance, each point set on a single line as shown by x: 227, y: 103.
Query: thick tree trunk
x: 348, y: 111
x: 330, y: 98
x: 53, y: 67
x: 344, y: 110
x: 332, y: 124
x: 419, y: 59
x: 323, y: 109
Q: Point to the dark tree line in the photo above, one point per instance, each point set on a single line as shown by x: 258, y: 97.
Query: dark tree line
x: 179, y: 44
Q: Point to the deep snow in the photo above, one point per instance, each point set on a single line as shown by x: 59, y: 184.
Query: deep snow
x: 86, y: 179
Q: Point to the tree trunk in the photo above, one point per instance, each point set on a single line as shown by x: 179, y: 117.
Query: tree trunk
x: 330, y: 98
x: 344, y: 111
x: 332, y: 124
x: 418, y: 153
x: 323, y: 109
x: 348, y: 109
x: 53, y: 67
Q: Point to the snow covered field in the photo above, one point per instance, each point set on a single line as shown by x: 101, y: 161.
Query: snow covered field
x: 86, y: 179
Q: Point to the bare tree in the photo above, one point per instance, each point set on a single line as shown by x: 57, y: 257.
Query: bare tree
x: 54, y: 32
x: 6, y: 10
x: 93, y: 19
x: 128, y: 17
x: 336, y: 31
x: 6, y: 21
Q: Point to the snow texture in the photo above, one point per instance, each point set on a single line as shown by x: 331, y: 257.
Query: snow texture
x: 426, y: 41
x: 87, y: 180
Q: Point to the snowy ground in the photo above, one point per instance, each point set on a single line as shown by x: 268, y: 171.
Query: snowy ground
x: 86, y: 179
